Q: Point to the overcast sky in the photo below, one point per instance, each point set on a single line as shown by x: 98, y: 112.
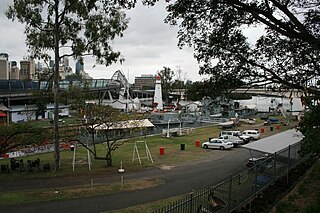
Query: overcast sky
x: 148, y: 45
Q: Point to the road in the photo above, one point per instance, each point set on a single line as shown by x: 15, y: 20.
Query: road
x: 179, y: 180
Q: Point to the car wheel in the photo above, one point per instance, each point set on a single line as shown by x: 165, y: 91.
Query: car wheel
x: 221, y: 148
x: 205, y: 146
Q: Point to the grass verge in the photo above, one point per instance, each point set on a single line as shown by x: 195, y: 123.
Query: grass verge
x: 305, y: 197
x: 7, y: 198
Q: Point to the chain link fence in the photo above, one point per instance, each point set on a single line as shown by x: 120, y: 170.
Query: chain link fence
x: 238, y: 189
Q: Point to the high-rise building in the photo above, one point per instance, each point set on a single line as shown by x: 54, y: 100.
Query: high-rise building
x: 27, y: 69
x: 144, y: 82
x: 14, y: 64
x: 79, y: 67
x: 4, y: 66
x: 14, y: 71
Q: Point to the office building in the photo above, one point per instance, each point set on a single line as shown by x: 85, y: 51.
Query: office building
x: 144, y: 82
x: 27, y: 69
x: 4, y: 66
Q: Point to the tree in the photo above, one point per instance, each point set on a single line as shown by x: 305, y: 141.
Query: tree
x: 310, y: 128
x: 40, y: 100
x: 166, y: 75
x: 19, y: 135
x: 213, y: 87
x: 74, y: 27
x: 104, y: 124
x: 286, y: 53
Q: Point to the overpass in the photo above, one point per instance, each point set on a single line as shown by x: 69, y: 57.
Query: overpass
x: 270, y: 92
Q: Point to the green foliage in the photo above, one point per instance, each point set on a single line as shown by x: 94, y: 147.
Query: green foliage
x: 110, y: 126
x: 213, y: 87
x: 86, y: 27
x: 286, y: 51
x: 285, y: 207
x: 166, y: 75
x: 77, y: 27
x: 40, y: 99
x: 311, y: 130
x: 20, y: 135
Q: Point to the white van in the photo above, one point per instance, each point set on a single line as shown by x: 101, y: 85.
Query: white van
x: 253, y: 134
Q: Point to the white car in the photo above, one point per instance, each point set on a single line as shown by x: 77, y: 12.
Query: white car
x: 235, y: 135
x: 253, y: 134
x: 216, y: 143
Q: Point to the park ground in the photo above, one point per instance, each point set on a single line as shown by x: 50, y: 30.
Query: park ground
x: 173, y: 155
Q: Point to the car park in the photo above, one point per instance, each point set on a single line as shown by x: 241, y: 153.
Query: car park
x: 217, y: 143
x: 253, y: 134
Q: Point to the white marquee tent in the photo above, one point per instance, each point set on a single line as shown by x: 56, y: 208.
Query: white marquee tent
x: 276, y: 143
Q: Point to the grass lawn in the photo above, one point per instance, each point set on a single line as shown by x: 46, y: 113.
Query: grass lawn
x: 305, y: 197
x: 172, y: 155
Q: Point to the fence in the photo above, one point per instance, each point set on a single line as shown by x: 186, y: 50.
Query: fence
x: 238, y: 189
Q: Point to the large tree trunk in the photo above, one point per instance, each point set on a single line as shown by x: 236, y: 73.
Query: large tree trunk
x: 56, y: 89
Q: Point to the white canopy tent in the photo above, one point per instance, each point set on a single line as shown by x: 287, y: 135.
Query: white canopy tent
x: 276, y: 143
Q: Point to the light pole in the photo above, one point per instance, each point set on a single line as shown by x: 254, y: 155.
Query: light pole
x: 168, y: 135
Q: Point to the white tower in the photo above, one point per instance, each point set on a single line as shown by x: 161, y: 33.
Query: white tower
x: 158, y: 94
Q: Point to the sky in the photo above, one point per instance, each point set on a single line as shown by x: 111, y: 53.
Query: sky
x: 148, y: 45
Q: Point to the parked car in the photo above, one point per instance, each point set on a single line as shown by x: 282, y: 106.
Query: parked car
x: 216, y: 143
x: 256, y: 161
x: 235, y: 140
x: 253, y: 134
x: 271, y: 121
x: 235, y: 135
x: 249, y: 121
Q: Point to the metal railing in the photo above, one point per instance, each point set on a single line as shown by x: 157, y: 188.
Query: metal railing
x: 238, y: 189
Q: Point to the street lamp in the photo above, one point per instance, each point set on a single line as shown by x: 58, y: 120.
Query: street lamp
x: 168, y: 135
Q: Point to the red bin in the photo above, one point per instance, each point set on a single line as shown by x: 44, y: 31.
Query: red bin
x: 161, y: 150
x: 278, y: 127
x: 262, y: 130
x: 197, y: 143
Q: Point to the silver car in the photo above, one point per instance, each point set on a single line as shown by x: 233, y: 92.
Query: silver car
x: 216, y: 143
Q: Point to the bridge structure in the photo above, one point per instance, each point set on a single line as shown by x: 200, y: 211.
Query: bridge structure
x: 271, y: 92
x: 15, y: 90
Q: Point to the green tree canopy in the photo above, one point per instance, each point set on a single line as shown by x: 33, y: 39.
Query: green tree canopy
x: 286, y: 52
x: 310, y: 128
x: 20, y: 135
x: 70, y: 28
x: 166, y: 75
x: 104, y: 124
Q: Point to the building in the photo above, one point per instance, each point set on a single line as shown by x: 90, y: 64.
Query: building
x: 15, y: 73
x: 145, y: 82
x: 27, y: 69
x: 4, y: 66
x: 21, y: 113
